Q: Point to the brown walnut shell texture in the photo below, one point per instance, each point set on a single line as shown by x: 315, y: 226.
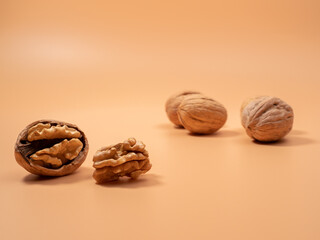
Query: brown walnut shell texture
x: 51, y: 148
x: 129, y: 158
x: 266, y: 118
x: 202, y: 115
x: 173, y: 103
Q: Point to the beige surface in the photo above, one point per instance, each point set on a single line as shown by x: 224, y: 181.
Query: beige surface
x: 109, y: 68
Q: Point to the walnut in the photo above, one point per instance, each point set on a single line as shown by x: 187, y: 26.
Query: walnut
x: 173, y: 103
x: 51, y: 148
x: 129, y: 158
x: 266, y: 118
x: 202, y: 115
x: 46, y: 131
x: 59, y: 153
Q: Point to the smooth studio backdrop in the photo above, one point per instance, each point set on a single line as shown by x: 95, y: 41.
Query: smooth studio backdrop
x: 109, y: 66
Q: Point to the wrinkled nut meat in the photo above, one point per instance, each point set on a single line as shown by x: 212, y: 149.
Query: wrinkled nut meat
x: 51, y: 148
x: 202, y: 115
x: 129, y: 158
x: 266, y: 119
x: 173, y: 103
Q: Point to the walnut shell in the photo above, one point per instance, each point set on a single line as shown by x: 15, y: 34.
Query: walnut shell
x: 266, y: 118
x: 202, y: 115
x: 129, y: 158
x: 173, y: 103
x: 51, y: 148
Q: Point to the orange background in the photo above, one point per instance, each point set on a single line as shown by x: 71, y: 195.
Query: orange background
x: 109, y: 66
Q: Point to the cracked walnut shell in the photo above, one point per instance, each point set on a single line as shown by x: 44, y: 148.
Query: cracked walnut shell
x: 173, y: 103
x: 51, y: 148
x: 202, y: 115
x: 129, y: 158
x: 266, y: 118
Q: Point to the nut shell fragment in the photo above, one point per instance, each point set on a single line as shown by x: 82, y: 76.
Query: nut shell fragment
x: 129, y: 158
x: 43, y: 153
x: 266, y: 118
x: 202, y: 115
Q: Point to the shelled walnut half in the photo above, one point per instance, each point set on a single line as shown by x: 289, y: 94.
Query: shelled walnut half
x: 129, y: 158
x: 51, y: 148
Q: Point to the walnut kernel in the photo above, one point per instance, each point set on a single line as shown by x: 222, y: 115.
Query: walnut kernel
x: 129, y: 158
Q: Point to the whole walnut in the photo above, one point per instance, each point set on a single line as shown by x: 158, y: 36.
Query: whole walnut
x: 266, y: 118
x: 173, y: 103
x: 202, y: 115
